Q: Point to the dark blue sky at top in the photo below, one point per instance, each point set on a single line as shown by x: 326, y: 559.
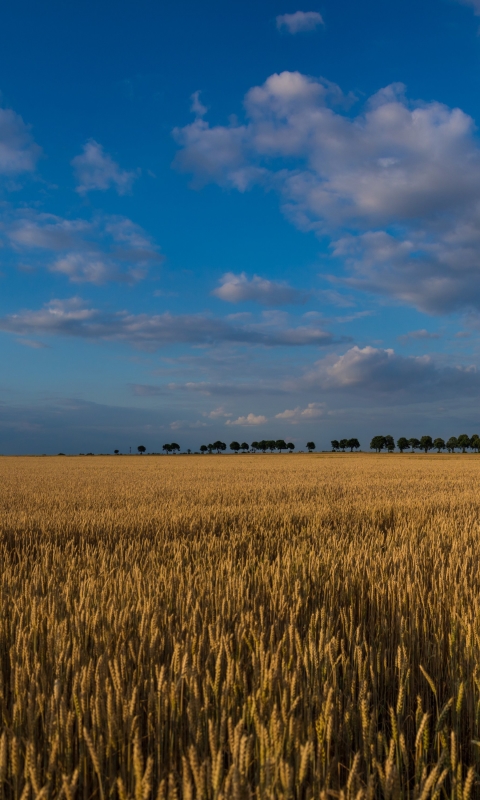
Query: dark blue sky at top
x: 123, y: 74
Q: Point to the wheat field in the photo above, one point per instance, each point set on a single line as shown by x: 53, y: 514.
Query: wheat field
x: 286, y: 626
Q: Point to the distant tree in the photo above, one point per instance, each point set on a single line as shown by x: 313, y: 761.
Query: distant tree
x: 291, y: 446
x: 272, y: 445
x: 141, y: 449
x: 426, y: 443
x: 463, y: 442
x: 378, y: 443
x: 255, y: 446
x: 475, y: 442
x: 174, y: 447
x: 167, y: 448
x: 335, y: 444
x: 343, y: 444
x: 210, y: 448
x: 189, y: 451
x: 439, y: 444
x: 280, y: 444
x: 353, y: 444
x: 234, y: 446
x: 390, y: 443
x: 263, y: 446
x: 414, y: 444
x: 219, y: 446
x: 403, y: 444
x: 310, y: 446
x: 244, y: 446
x: 204, y: 449
x: 452, y: 444
x: 116, y: 452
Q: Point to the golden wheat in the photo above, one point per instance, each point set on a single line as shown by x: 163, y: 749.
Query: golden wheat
x: 238, y: 627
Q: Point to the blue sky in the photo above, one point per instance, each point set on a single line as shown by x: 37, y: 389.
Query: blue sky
x: 238, y: 221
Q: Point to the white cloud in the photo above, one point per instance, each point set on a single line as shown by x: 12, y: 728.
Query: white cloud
x: 18, y: 151
x: 107, y: 248
x: 299, y: 21
x: 250, y: 419
x: 96, y: 170
x: 239, y: 288
x: 71, y: 318
x: 313, y: 411
x: 395, y: 187
x: 217, y: 413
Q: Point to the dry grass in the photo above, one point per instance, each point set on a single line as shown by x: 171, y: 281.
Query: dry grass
x: 245, y: 626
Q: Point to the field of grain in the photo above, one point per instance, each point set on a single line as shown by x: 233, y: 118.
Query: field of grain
x: 286, y: 626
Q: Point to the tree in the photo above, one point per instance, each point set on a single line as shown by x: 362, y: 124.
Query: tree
x: 475, y: 442
x: 403, y: 444
x: 426, y: 443
x: 390, y: 443
x: 343, y: 444
x: 280, y: 444
x: 244, y: 446
x: 255, y: 446
x: 414, y: 444
x: 174, y: 447
x: 210, y: 448
x: 310, y: 446
x: 452, y: 444
x: 234, y: 446
x: 189, y: 451
x: 378, y: 443
x: 263, y: 446
x: 218, y: 446
x: 353, y: 443
x: 141, y: 449
x: 272, y: 445
x: 335, y: 444
x: 167, y: 448
x: 204, y: 449
x: 439, y: 444
x: 291, y: 446
x: 116, y: 452
x: 463, y: 442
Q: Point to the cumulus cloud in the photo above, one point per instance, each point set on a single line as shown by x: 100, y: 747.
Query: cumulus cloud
x: 250, y: 419
x: 104, y: 249
x: 313, y: 411
x: 299, y: 21
x: 395, y: 187
x: 72, y: 318
x: 376, y: 371
x: 96, y: 170
x: 239, y: 288
x: 18, y: 151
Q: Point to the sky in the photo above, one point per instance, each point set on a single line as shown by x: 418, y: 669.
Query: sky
x: 238, y: 221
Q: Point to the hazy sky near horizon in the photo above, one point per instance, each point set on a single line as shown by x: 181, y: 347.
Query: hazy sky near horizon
x: 238, y: 221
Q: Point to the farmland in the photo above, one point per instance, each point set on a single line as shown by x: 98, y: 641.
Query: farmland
x: 268, y: 626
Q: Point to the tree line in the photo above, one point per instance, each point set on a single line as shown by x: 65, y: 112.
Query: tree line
x: 426, y: 443
x: 263, y: 446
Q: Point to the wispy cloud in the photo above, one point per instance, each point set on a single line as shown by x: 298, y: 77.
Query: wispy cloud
x: 18, y: 151
x: 96, y: 170
x: 239, y: 288
x: 300, y: 21
x: 106, y: 248
x: 416, y: 336
x: 72, y: 318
